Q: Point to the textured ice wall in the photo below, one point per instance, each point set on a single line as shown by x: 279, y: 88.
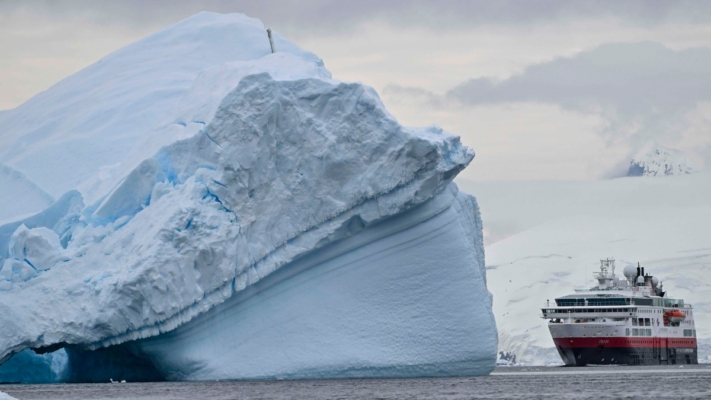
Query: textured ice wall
x: 263, y: 163
x: 28, y: 367
x: 383, y: 302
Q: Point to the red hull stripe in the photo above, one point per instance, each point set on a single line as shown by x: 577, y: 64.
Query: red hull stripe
x: 649, y: 342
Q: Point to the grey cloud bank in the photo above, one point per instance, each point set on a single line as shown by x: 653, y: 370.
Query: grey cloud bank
x: 644, y: 90
x: 330, y: 14
x: 631, y: 77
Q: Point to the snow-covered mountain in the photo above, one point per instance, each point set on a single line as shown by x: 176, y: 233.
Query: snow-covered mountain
x: 657, y: 160
x: 546, y: 239
x: 225, y: 212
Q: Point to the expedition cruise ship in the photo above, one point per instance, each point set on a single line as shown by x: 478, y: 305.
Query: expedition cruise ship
x: 622, y: 321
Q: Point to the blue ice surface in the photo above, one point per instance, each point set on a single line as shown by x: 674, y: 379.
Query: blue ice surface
x: 29, y: 367
x: 381, y: 303
x: 48, y: 218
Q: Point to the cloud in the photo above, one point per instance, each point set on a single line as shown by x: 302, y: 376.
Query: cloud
x: 644, y: 90
x: 405, y: 94
x: 318, y: 15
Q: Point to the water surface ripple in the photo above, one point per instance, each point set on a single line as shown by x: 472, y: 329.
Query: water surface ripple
x: 668, y: 382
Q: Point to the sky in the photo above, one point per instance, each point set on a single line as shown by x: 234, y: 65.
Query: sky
x: 541, y: 90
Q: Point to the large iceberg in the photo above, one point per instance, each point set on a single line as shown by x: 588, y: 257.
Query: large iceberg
x: 229, y: 212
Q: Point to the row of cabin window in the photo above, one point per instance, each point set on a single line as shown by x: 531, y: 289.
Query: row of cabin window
x: 594, y: 310
x: 643, y: 322
x: 648, y: 332
x: 638, y: 332
x: 668, y: 303
x: 591, y: 310
x: 689, y: 312
x: 592, y: 302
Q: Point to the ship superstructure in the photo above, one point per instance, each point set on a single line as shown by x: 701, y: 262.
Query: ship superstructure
x: 622, y: 321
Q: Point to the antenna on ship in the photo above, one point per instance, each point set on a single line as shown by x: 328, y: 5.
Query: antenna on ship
x: 606, y: 276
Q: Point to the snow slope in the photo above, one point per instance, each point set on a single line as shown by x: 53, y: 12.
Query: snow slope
x: 93, y: 118
x: 19, y: 196
x: 551, y: 236
x: 5, y: 396
x: 267, y: 187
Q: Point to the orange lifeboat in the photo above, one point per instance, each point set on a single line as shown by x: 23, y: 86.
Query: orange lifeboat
x: 675, y: 317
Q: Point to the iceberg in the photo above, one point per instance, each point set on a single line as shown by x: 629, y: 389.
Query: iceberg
x: 229, y: 212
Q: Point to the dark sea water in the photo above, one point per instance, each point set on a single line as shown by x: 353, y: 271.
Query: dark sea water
x: 615, y: 382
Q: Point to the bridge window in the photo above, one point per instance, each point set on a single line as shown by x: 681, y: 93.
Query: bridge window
x: 593, y: 301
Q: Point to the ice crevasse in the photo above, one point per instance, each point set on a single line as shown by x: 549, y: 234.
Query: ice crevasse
x: 266, y: 221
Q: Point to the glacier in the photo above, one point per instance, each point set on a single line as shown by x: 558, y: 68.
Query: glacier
x: 551, y: 244
x: 225, y: 212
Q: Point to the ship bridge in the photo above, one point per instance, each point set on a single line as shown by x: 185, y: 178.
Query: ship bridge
x: 591, y: 300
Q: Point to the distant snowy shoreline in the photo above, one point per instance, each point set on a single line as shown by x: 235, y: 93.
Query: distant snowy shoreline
x: 548, y: 238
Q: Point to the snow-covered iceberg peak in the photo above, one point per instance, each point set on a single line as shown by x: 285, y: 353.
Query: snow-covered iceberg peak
x: 656, y: 160
x: 264, y: 172
x: 93, y: 118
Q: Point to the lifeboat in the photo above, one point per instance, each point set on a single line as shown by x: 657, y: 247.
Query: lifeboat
x: 674, y: 316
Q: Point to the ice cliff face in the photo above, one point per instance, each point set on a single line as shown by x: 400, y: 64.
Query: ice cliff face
x: 657, y: 160
x: 268, y: 221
